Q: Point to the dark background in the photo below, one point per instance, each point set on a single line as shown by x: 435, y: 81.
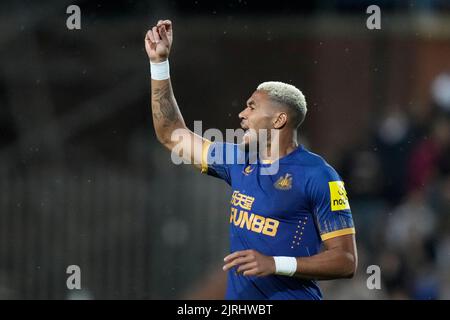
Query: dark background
x: 83, y: 180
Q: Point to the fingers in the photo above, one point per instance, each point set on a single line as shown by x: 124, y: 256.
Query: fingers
x: 166, y: 23
x: 156, y: 34
x: 250, y: 263
x: 149, y: 36
x: 237, y: 254
x: 237, y: 258
x: 163, y: 33
x: 237, y: 262
x: 252, y: 272
x: 247, y: 267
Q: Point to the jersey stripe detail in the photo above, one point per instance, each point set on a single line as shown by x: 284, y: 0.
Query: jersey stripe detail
x: 337, y: 233
x: 205, y: 148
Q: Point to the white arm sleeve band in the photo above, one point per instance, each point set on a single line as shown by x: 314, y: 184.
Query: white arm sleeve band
x: 160, y: 70
x: 285, y: 266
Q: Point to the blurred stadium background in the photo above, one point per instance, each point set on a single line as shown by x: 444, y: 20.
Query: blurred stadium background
x: 83, y: 180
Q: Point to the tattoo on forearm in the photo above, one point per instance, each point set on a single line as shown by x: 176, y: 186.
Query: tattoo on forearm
x: 164, y: 106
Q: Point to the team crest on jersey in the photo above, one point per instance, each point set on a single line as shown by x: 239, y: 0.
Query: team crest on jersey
x: 248, y: 169
x: 284, y: 182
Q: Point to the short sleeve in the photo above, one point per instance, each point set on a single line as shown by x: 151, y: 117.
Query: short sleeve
x: 329, y: 203
x: 218, y: 158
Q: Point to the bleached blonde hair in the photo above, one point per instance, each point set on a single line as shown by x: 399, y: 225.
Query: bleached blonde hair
x: 288, y: 95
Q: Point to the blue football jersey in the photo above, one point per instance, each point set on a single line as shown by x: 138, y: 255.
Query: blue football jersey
x: 288, y: 213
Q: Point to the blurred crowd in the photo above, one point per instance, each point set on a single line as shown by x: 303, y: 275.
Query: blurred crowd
x: 398, y: 179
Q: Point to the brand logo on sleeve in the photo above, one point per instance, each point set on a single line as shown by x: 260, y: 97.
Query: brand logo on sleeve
x: 338, y: 196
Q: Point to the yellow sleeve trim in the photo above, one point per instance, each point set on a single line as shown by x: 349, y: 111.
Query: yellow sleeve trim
x: 337, y: 233
x: 205, y: 149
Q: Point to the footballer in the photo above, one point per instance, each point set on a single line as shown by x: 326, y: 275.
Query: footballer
x: 287, y: 229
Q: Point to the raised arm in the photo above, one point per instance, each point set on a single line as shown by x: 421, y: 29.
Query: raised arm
x: 169, y: 125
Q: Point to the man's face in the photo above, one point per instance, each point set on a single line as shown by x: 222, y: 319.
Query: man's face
x: 258, y: 114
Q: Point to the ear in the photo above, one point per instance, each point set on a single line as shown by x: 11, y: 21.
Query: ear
x: 280, y: 120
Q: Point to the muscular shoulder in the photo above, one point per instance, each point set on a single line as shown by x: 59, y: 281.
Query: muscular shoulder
x: 316, y: 169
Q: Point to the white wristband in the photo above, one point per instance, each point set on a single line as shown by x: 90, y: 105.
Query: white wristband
x: 285, y: 266
x: 160, y: 70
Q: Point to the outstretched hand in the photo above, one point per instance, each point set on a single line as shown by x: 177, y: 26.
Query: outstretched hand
x: 158, y: 41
